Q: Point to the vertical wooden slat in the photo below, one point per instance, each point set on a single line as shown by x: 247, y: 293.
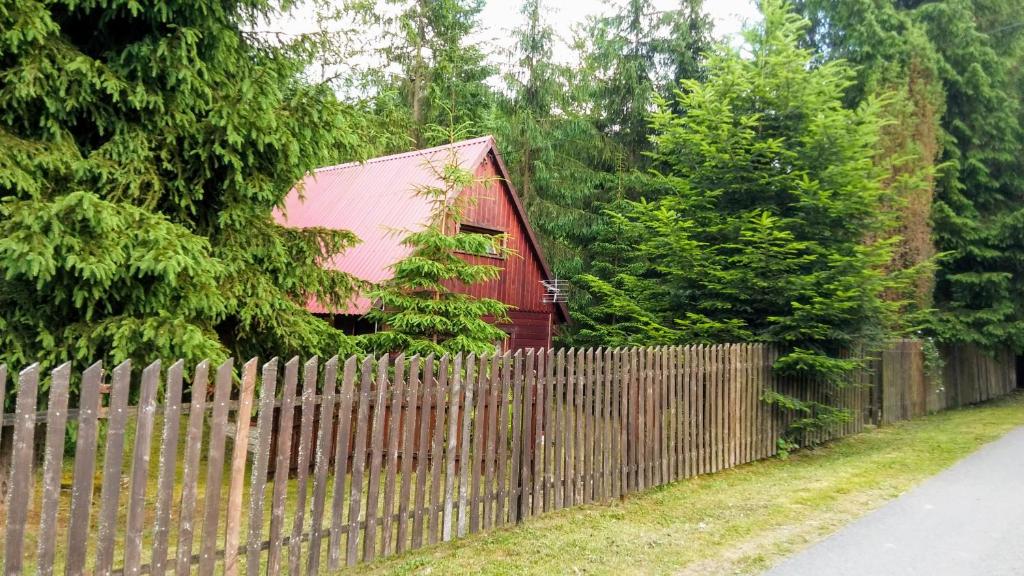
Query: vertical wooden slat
x: 587, y: 401
x: 689, y: 414
x: 110, y: 491
x: 516, y: 465
x: 502, y: 422
x: 358, y: 463
x: 53, y: 458
x: 394, y: 419
x: 376, y: 457
x: 168, y: 465
x: 491, y: 423
x: 600, y: 426
x: 556, y: 445
x: 215, y: 468
x: 257, y: 486
x: 140, y: 468
x: 322, y: 464
x: 236, y: 483
x: 282, y: 465
x: 528, y: 399
x: 657, y: 472
x: 644, y: 407
x: 541, y: 430
x: 451, y: 448
x: 617, y: 435
x: 579, y: 446
x: 310, y: 374
x: 190, y: 473
x: 631, y: 417
x: 465, y: 457
x: 341, y: 452
x: 479, y: 423
x: 21, y: 469
x: 423, y: 450
x: 408, y: 454
x: 569, y: 433
x: 704, y: 403
x: 436, y: 456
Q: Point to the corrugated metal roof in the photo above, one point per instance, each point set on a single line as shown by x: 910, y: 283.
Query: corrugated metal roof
x: 377, y: 201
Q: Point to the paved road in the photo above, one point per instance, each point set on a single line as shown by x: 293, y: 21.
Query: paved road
x: 967, y: 521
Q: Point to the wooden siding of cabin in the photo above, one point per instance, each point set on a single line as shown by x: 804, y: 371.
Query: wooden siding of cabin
x: 488, y: 204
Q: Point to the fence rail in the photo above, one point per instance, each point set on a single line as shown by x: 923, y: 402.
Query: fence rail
x: 296, y: 468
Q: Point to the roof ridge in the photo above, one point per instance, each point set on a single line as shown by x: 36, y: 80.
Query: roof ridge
x: 409, y: 154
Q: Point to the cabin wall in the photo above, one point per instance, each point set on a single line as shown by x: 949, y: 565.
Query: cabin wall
x: 489, y: 204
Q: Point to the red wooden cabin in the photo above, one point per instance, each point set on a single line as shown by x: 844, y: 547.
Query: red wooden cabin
x: 377, y: 200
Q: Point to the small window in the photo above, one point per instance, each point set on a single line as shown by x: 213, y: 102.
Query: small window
x: 495, y: 247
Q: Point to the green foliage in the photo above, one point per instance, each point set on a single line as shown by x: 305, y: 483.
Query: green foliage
x: 418, y: 308
x: 143, y: 150
x: 771, y: 230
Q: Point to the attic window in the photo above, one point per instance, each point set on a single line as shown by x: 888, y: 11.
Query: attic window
x: 494, y: 248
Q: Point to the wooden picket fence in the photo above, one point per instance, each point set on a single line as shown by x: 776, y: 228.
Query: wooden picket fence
x: 350, y: 460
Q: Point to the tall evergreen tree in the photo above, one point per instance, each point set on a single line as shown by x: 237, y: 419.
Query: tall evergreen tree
x: 772, y: 229
x: 143, y: 150
x: 433, y: 73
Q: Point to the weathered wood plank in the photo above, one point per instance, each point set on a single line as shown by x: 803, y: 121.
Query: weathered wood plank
x: 526, y: 399
x: 631, y: 413
x: 479, y: 422
x: 557, y: 444
x: 436, y: 452
x: 282, y: 465
x: 215, y: 468
x: 341, y: 452
x: 359, y: 462
x: 618, y: 428
x: 310, y: 374
x: 110, y: 491
x: 465, y: 455
x: 21, y: 469
x: 600, y: 427
x: 376, y: 458
x: 394, y: 420
x: 140, y: 468
x: 451, y: 448
x: 408, y: 454
x: 236, y: 483
x: 491, y: 423
x: 569, y: 433
x: 322, y: 465
x: 423, y: 450
x: 168, y: 465
x: 587, y: 425
x: 53, y: 458
x: 541, y: 419
x: 190, y: 473
x: 258, y: 483
x: 502, y: 422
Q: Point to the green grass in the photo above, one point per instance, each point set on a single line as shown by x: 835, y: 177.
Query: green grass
x: 739, y: 521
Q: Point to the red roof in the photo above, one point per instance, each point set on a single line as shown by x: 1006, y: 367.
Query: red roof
x: 377, y: 201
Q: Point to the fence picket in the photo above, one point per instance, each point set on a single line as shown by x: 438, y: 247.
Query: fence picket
x: 532, y: 398
x: 168, y: 464
x: 21, y: 469
x: 110, y: 490
x: 408, y: 454
x: 190, y: 475
x: 478, y: 442
x: 451, y: 447
x: 53, y: 458
x: 358, y: 463
x: 394, y: 420
x: 140, y: 468
x: 422, y: 450
x: 516, y: 466
x: 465, y: 465
x: 236, y: 483
x: 341, y: 455
x: 436, y: 456
x: 268, y: 392
x: 322, y: 464
x: 557, y: 444
x: 310, y: 374
x: 215, y: 468
x: 376, y: 458
x: 502, y: 422
x: 282, y: 465
x: 491, y: 427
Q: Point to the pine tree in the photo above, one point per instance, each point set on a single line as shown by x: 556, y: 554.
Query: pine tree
x: 772, y: 230
x: 142, y: 153
x: 420, y: 309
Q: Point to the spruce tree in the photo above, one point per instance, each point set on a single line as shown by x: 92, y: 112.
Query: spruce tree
x: 421, y: 309
x: 772, y: 230
x: 143, y: 150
